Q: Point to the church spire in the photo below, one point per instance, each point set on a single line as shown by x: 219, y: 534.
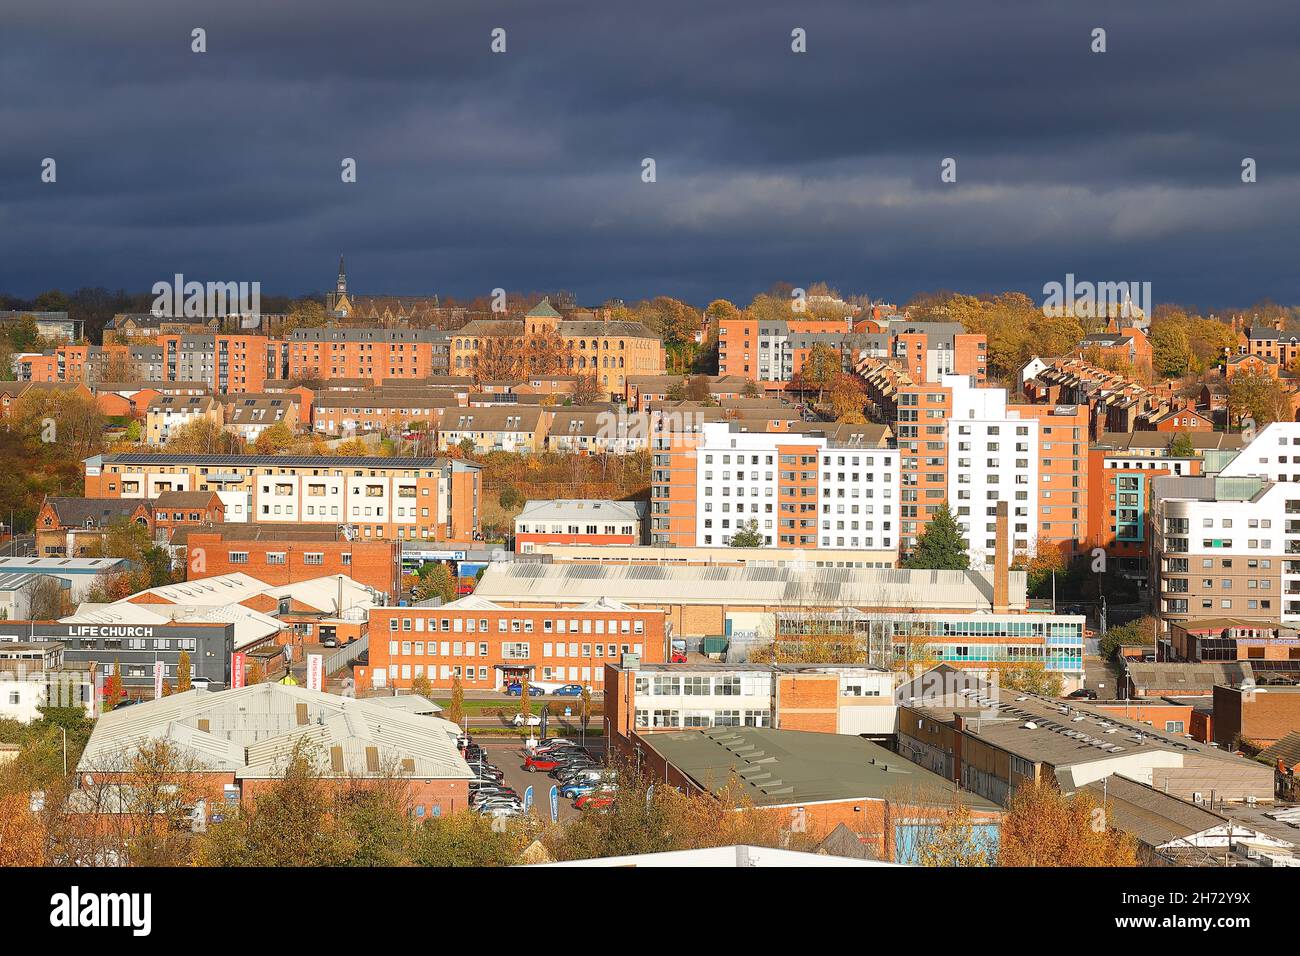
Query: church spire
x: 342, y: 287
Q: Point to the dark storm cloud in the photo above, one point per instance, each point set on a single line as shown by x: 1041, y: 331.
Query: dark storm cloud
x: 523, y: 170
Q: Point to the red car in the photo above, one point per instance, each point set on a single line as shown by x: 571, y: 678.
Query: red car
x: 598, y: 800
x: 544, y: 762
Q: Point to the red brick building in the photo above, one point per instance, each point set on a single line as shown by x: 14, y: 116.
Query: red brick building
x: 488, y: 646
x: 1260, y: 715
x: 283, y: 553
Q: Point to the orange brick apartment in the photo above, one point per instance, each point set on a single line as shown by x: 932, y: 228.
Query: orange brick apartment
x: 402, y: 498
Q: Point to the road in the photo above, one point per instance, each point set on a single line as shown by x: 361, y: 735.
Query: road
x: 508, y: 755
x: 21, y: 546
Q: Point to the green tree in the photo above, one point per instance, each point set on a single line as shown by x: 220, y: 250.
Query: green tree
x: 1139, y: 632
x: 748, y: 537
x: 465, y: 839
x: 1171, y: 350
x: 940, y: 547
x: 511, y: 498
x: 1181, y: 446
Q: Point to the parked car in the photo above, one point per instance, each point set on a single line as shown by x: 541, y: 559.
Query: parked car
x: 517, y: 690
x: 555, y: 746
x: 578, y: 788
x: 531, y: 720
x: 575, y: 765
x: 596, y: 800
x: 568, y: 690
x: 501, y: 810
x: 493, y: 796
x: 1083, y: 694
x: 571, y: 774
x: 543, y: 762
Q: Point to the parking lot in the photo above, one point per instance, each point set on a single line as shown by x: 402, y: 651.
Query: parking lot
x: 508, y: 755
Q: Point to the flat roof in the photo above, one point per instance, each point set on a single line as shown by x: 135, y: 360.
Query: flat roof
x: 782, y: 767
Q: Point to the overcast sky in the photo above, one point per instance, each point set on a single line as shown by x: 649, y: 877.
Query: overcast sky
x: 523, y: 169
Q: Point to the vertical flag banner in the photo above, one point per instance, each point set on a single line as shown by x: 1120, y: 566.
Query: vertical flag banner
x: 315, y: 672
x: 237, y: 670
x: 528, y: 798
x: 157, y: 679
x: 555, y: 804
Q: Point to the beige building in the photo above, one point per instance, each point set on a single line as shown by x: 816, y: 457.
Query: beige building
x: 167, y: 413
x: 518, y: 428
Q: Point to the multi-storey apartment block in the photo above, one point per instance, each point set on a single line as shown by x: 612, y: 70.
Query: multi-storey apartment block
x: 402, y: 498
x: 775, y: 351
x: 798, y: 490
x: 1228, y: 546
x: 967, y: 446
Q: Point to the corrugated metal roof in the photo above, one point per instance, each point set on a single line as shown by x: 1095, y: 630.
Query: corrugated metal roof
x: 847, y: 587
x: 252, y: 731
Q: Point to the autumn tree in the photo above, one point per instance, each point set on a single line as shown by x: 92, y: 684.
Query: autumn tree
x: 847, y: 399
x: 274, y: 439
x: 256, y: 673
x: 434, y: 580
x: 46, y: 598
x: 22, y: 832
x: 587, y: 389
x: 183, y: 679
x: 421, y: 686
x: 202, y: 436
x: 456, y: 709
x: 113, y: 690
x: 954, y: 839
x: 1045, y: 828
x: 1256, y: 396
x: 304, y: 314
x: 821, y: 369
x: 467, y: 839
x: 60, y: 417
x: 353, y: 448
x: 306, y: 819
x: 1032, y: 677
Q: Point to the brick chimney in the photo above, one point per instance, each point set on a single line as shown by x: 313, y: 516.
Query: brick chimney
x: 1002, y: 562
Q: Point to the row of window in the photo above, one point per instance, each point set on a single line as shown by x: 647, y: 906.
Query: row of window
x: 510, y: 650
x: 519, y: 626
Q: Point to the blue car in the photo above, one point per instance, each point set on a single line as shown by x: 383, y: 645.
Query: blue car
x: 517, y: 690
x: 571, y: 791
x: 568, y: 690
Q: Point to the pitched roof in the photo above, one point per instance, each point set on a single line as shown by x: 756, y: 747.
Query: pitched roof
x: 253, y: 730
x: 94, y: 512
x: 543, y: 310
x: 1287, y: 750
